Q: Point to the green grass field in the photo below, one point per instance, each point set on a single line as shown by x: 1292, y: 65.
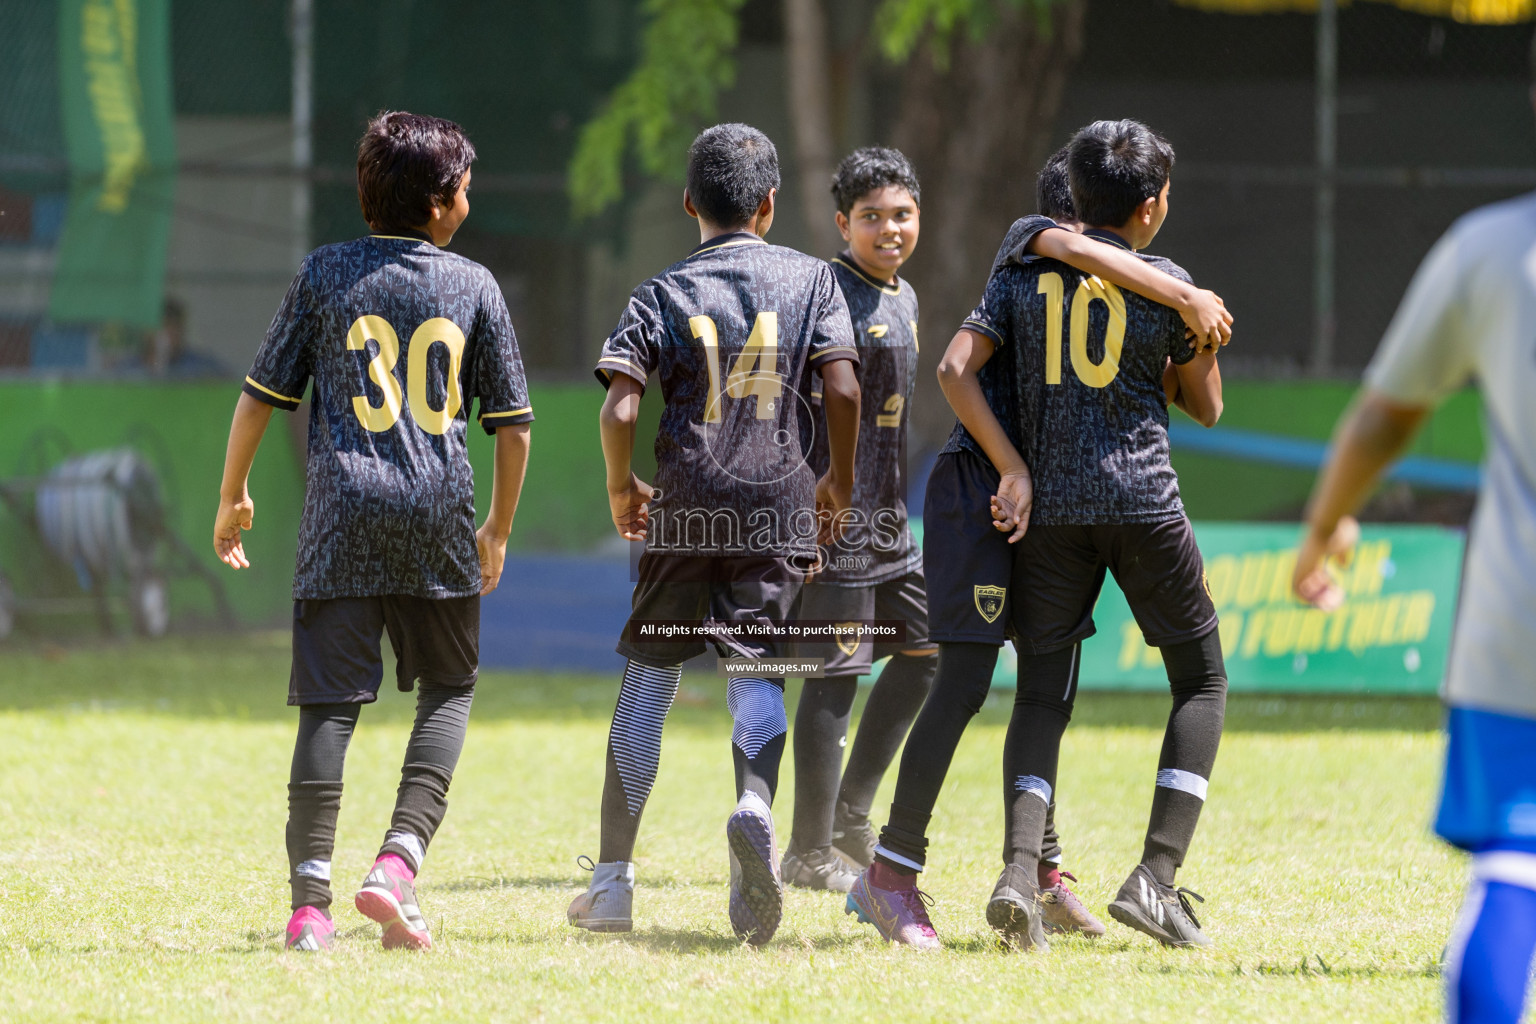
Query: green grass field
x: 144, y: 876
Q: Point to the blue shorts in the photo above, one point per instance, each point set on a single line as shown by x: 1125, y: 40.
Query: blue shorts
x: 1489, y: 797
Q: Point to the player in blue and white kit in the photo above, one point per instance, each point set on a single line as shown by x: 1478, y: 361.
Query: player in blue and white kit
x: 1470, y: 314
x: 399, y: 338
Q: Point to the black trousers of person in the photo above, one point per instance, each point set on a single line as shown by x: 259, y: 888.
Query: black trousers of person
x: 315, y: 783
x: 1043, y: 702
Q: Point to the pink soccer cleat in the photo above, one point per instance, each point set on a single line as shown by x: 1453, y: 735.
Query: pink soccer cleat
x: 899, y: 912
x: 310, y: 931
x: 389, y: 897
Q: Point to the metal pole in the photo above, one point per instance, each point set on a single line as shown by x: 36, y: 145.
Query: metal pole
x: 1324, y: 320
x: 302, y: 39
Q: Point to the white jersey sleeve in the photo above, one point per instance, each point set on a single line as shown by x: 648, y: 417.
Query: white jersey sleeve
x: 1427, y: 352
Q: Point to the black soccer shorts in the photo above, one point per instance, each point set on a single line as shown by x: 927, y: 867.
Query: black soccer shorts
x: 724, y: 596
x: 1059, y: 571
x: 968, y: 560
x: 903, y: 599
x: 336, y: 656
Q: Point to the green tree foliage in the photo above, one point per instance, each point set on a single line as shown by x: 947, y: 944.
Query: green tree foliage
x: 687, y: 56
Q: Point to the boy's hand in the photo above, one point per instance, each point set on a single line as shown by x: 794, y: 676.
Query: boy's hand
x: 631, y: 516
x: 832, y: 499
x: 233, y: 517
x: 493, y: 554
x: 1311, y: 581
x: 1011, y: 504
x: 1209, y: 323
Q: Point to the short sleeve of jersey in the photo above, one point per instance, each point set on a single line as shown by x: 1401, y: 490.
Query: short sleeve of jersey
x: 1015, y: 245
x: 1180, y: 351
x: 832, y: 331
x: 495, y: 375
x: 282, y: 368
x: 994, y: 316
x: 634, y: 347
x: 1426, y: 352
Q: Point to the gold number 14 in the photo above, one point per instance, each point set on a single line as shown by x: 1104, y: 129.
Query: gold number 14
x: 755, y: 371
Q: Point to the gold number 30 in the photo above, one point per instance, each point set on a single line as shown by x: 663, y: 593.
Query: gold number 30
x: 1095, y: 375
x: 381, y: 370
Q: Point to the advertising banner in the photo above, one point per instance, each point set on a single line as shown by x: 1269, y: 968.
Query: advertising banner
x: 115, y: 93
x: 1392, y: 634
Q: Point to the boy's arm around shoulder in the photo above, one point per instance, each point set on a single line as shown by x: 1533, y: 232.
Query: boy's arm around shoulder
x: 1202, y: 310
x: 1199, y: 388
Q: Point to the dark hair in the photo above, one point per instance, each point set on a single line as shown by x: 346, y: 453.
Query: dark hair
x: 1053, y: 189
x: 1113, y: 166
x: 870, y: 168
x: 731, y: 170
x: 404, y: 163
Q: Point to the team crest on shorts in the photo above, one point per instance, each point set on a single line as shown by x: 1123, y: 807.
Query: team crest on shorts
x: 847, y: 636
x: 989, y: 601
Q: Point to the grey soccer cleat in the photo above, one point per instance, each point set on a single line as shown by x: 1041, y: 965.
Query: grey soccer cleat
x: 608, y: 903
x: 1064, y: 912
x: 757, y: 894
x: 1158, y: 910
x: 816, y: 869
x: 1015, y: 910
x: 853, y: 837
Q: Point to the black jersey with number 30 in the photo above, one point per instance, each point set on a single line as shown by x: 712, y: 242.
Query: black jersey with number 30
x: 733, y: 332
x: 1090, y: 416
x: 400, y: 337
x: 877, y: 545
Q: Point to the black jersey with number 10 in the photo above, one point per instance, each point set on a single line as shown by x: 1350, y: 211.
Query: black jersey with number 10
x: 733, y: 332
x: 1089, y: 413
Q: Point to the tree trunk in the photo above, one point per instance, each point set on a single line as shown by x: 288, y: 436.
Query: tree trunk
x: 810, y: 110
x: 977, y: 133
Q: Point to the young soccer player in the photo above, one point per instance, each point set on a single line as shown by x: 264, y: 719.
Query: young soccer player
x: 733, y: 332
x: 399, y: 337
x: 874, y: 570
x: 1470, y: 314
x: 1105, y: 498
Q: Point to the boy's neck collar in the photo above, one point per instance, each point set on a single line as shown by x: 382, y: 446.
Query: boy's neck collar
x: 1109, y: 235
x: 415, y: 234
x: 891, y: 287
x: 740, y: 236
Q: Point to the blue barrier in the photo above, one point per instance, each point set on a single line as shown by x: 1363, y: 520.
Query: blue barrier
x: 1279, y: 450
x: 556, y: 612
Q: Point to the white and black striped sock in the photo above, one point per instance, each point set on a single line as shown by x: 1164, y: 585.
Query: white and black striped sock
x: 758, y: 733
x: 635, y: 737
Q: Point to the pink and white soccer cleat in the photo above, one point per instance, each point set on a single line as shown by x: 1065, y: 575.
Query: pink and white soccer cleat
x: 310, y: 931
x: 900, y: 913
x: 389, y: 897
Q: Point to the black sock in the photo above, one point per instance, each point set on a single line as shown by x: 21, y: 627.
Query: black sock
x: 964, y: 678
x: 1198, y: 678
x: 634, y: 754
x: 894, y: 702
x: 821, y: 729
x: 314, y: 798
x: 431, y: 754
x: 1042, y: 707
x: 1050, y: 846
x: 757, y: 734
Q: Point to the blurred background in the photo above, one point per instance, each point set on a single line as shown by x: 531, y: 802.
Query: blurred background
x: 164, y: 165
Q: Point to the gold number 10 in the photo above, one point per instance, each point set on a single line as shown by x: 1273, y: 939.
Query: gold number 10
x: 755, y: 371
x: 1095, y: 375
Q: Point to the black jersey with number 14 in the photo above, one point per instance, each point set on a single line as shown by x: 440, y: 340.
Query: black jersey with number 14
x: 733, y: 332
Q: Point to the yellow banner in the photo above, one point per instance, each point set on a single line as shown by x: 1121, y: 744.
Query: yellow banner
x: 1472, y: 12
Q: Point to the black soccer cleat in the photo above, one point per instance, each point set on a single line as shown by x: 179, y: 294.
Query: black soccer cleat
x: 1015, y: 912
x: 853, y: 837
x: 1158, y: 910
x: 816, y: 869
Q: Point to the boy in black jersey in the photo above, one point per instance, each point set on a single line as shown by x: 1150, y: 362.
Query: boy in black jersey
x: 733, y: 333
x: 874, y: 570
x: 1021, y: 390
x: 399, y: 337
